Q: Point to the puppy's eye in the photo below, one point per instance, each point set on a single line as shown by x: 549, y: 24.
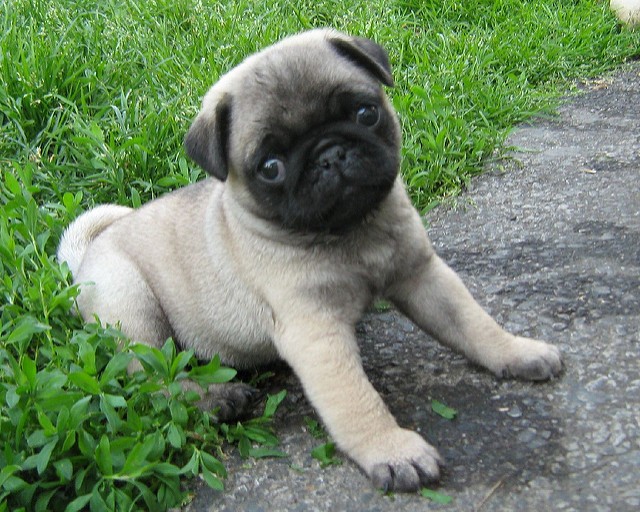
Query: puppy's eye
x: 272, y: 170
x: 368, y: 115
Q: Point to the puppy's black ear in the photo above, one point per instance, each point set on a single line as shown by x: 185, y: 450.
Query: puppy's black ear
x: 367, y: 54
x: 207, y: 140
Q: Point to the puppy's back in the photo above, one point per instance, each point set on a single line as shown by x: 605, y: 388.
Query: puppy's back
x: 84, y: 230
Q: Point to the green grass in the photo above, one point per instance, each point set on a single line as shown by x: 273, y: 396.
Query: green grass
x: 95, y: 98
x: 98, y: 95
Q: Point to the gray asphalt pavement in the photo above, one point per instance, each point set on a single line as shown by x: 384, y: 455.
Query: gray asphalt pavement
x: 549, y: 243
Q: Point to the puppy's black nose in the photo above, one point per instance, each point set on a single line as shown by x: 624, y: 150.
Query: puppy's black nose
x: 332, y: 157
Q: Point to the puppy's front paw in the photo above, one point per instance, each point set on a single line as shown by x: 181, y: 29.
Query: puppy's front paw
x: 531, y: 359
x: 402, y: 461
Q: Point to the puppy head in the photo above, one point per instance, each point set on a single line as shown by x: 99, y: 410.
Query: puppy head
x: 303, y: 132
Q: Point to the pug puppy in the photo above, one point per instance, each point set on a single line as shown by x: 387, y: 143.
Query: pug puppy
x: 303, y: 223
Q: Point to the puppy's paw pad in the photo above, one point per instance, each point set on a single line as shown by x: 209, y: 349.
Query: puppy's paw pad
x: 413, y: 464
x: 533, y: 360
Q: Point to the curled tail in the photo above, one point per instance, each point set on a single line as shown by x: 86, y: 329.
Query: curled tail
x: 83, y: 230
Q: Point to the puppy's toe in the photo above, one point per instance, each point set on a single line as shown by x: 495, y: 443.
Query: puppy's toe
x: 403, y: 476
x: 231, y: 401
x: 410, y: 464
x: 532, y: 360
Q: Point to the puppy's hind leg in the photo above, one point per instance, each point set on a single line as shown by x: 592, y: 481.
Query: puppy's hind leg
x: 116, y: 291
x: 113, y: 289
x: 435, y: 298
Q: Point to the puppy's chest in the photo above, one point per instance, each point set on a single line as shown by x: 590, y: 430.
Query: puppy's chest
x: 372, y: 262
x: 377, y: 263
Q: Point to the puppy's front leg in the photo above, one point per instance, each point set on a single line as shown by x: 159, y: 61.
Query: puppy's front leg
x: 325, y: 356
x: 435, y: 298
